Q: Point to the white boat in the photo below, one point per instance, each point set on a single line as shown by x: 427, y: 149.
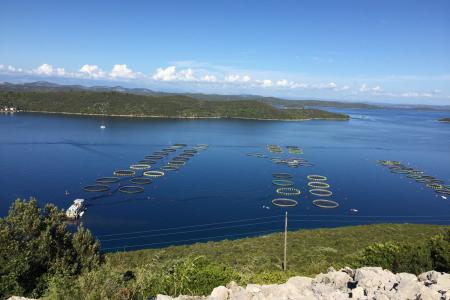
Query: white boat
x: 76, y: 210
x: 353, y: 210
x: 102, y: 126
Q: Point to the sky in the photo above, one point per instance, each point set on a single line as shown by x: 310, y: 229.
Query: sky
x: 361, y: 50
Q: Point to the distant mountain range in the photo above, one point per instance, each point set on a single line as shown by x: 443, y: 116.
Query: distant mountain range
x: 44, y: 86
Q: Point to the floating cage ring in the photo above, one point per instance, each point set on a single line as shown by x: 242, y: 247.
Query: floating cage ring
x: 282, y: 175
x: 153, y: 157
x: 317, y: 178
x: 283, y: 182
x: 107, y: 180
x: 177, y: 162
x: 169, y: 168
x: 193, y: 151
x: 288, y: 191
x: 321, y: 192
x: 179, y: 145
x: 444, y: 191
x: 318, y: 185
x: 322, y: 203
x: 186, y: 155
x: 140, y: 167
x: 148, y: 161
x: 154, y: 173
x: 96, y: 188
x: 435, y: 186
x: 180, y: 158
x: 140, y: 180
x: 163, y: 153
x: 169, y: 149
x: 284, y: 202
x: 124, y: 173
x: 131, y: 189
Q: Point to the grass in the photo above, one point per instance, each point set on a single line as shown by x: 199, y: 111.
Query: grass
x: 309, y: 251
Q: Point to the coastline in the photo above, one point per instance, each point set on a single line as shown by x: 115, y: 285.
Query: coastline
x: 182, y: 117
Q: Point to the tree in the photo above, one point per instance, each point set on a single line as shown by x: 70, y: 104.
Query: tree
x: 35, y: 245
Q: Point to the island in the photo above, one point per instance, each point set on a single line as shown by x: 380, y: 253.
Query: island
x: 446, y: 120
x: 112, y: 103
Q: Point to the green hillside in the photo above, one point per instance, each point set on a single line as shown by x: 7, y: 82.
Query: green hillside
x: 175, y: 106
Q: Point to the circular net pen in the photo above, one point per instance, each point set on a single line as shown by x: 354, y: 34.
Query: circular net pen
x: 148, y: 161
x: 154, y: 173
x: 282, y: 182
x: 322, y: 203
x: 177, y: 163
x: 288, y: 191
x: 321, y: 192
x: 188, y: 155
x: 169, y: 168
x: 169, y: 149
x: 96, y: 188
x: 140, y: 167
x: 160, y: 153
x: 131, y: 189
x: 179, y: 145
x: 107, y: 180
x: 282, y: 175
x: 124, y: 173
x: 141, y: 181
x: 284, y: 202
x: 318, y: 185
x: 153, y: 157
x: 317, y: 178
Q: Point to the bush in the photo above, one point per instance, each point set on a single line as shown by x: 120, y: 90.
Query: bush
x: 193, y: 276
x: 410, y: 258
x: 35, y: 246
x: 440, y: 252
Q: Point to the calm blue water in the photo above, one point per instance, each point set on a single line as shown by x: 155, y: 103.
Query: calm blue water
x: 45, y: 155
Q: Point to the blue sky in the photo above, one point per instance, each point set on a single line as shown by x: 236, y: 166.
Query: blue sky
x: 379, y: 51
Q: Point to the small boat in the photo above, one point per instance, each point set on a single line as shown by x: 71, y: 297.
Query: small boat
x: 443, y: 197
x: 76, y: 210
x: 67, y: 193
x: 102, y: 126
x: 353, y: 210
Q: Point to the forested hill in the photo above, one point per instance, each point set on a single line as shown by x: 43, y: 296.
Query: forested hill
x: 171, y: 105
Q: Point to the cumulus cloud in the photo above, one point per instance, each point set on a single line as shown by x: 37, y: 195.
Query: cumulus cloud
x: 365, y: 88
x: 44, y: 69
x: 232, y: 78
x: 122, y: 71
x: 166, y: 74
x: 209, y: 78
x: 92, y: 71
x: 266, y: 83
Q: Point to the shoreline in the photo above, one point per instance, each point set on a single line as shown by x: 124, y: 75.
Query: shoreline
x: 182, y: 117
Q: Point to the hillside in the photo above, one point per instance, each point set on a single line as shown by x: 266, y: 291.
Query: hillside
x: 172, y: 106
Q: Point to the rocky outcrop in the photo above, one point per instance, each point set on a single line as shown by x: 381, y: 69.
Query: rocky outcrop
x: 363, y: 283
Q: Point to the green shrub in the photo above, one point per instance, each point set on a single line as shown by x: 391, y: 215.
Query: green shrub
x: 397, y: 257
x: 36, y: 245
x: 440, y: 252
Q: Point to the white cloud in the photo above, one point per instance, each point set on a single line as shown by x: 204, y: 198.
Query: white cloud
x: 365, y: 88
x: 283, y: 83
x: 44, y: 69
x: 266, y: 83
x: 186, y: 75
x: 232, y: 78
x: 122, y: 71
x: 166, y: 74
x: 92, y: 71
x: 246, y: 78
x: 209, y: 78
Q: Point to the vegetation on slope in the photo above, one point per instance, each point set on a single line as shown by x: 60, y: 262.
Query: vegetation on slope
x: 40, y: 257
x: 177, y: 106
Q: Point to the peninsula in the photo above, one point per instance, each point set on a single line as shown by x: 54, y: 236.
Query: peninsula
x: 155, y: 106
